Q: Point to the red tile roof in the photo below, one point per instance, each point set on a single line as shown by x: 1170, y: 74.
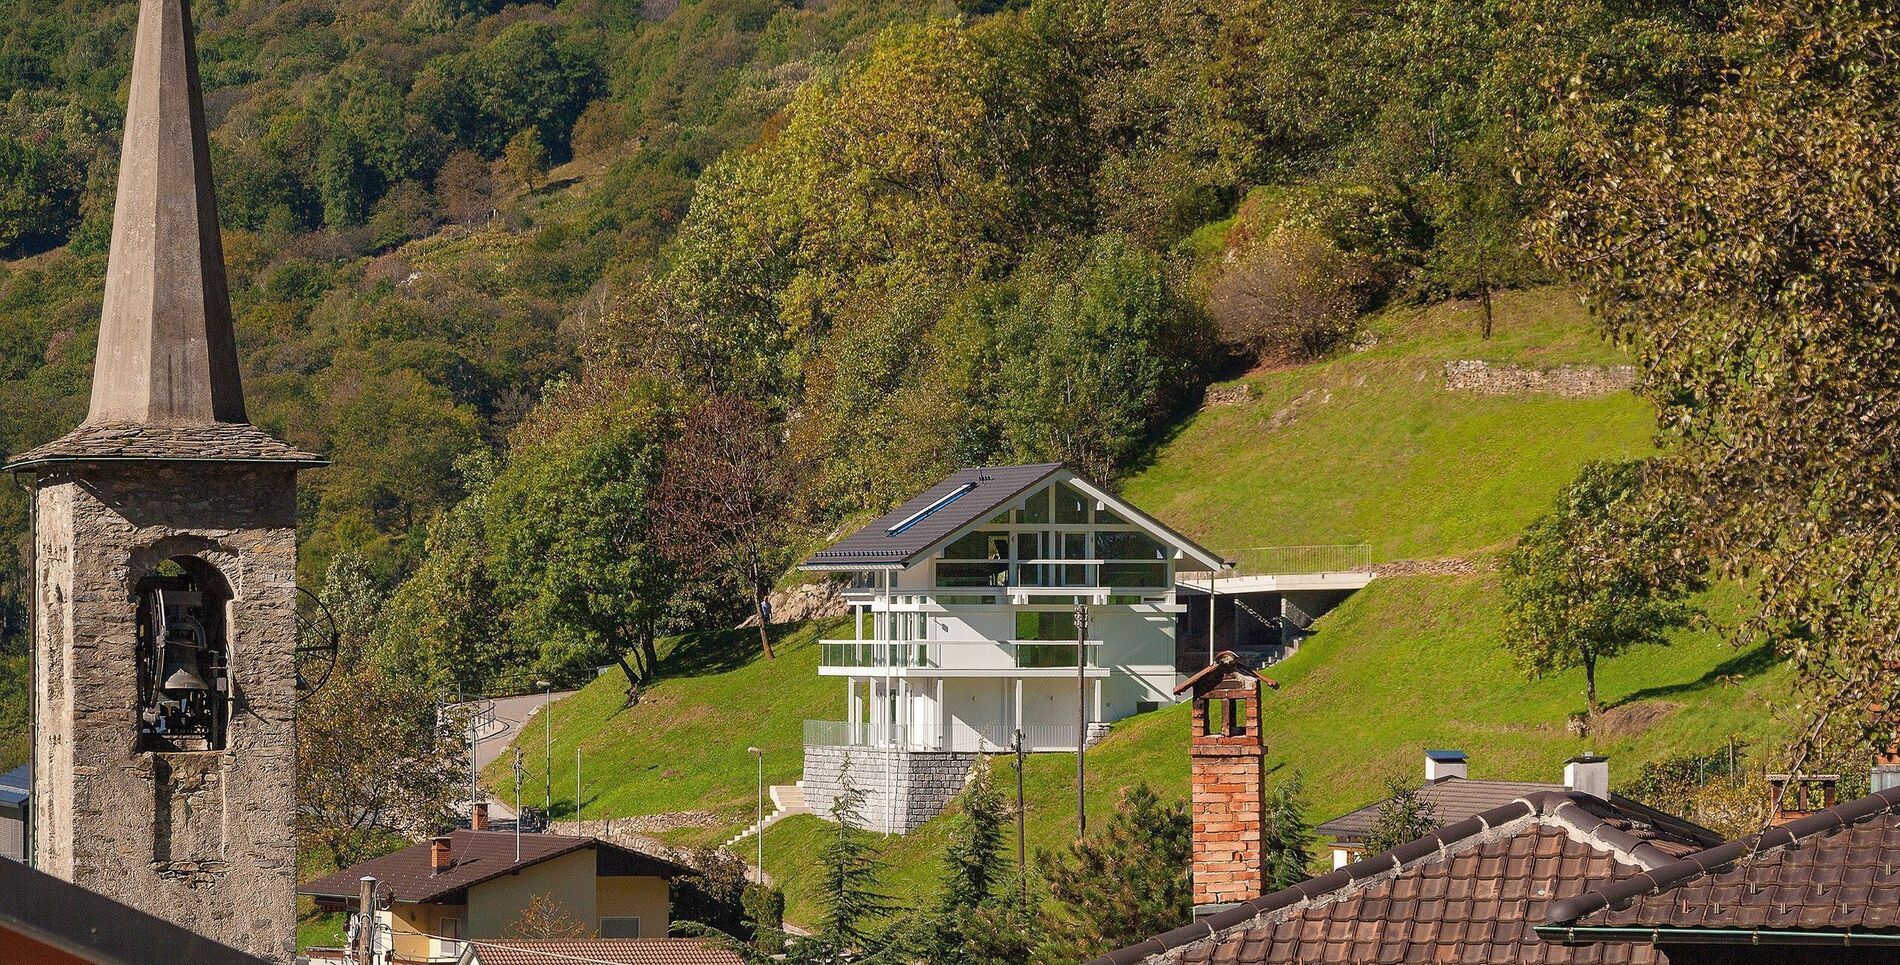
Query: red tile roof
x: 640, y: 951
x: 1837, y: 870
x: 1453, y: 799
x: 478, y: 856
x: 1472, y: 891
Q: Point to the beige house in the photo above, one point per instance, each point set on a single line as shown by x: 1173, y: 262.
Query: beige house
x: 433, y: 896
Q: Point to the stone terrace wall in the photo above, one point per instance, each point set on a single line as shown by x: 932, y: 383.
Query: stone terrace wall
x: 1573, y: 381
x: 902, y: 789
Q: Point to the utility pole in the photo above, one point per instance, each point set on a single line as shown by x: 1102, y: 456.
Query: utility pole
x: 547, y: 728
x: 1022, y: 841
x: 517, y: 804
x: 474, y: 773
x: 365, y: 950
x: 1081, y: 717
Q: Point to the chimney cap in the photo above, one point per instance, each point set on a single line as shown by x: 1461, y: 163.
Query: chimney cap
x: 1589, y: 757
x: 1446, y: 756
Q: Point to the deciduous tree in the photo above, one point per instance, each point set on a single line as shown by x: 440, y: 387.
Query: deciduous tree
x: 1604, y: 571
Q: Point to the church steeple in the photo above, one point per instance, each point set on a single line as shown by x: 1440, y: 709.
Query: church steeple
x: 167, y: 349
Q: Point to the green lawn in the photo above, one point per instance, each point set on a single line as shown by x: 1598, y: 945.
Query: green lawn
x: 1406, y: 664
x: 683, y: 747
x: 1366, y: 447
x: 1370, y: 447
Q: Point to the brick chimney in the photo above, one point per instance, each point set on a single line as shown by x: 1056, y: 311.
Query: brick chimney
x: 1227, y: 758
x: 478, y: 817
x: 1799, y: 795
x: 440, y: 857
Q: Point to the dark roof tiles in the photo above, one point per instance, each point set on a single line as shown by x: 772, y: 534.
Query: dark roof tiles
x: 640, y: 951
x: 205, y: 442
x: 1472, y: 891
x: 477, y: 856
x: 888, y: 542
x: 1836, y: 870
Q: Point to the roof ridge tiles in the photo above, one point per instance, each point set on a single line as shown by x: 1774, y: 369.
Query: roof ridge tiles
x: 1619, y: 894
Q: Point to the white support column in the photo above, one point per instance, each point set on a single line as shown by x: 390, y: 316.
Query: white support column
x: 1097, y: 715
x: 1019, y: 709
x: 943, y: 720
x: 906, y: 714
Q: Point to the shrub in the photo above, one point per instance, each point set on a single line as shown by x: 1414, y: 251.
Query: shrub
x: 1294, y: 296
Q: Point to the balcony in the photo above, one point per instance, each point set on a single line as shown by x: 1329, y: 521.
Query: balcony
x: 975, y: 658
x: 988, y: 739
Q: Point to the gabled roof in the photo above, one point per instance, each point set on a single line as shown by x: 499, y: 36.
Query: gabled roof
x: 962, y: 500
x: 1471, y: 891
x: 628, y: 951
x: 1454, y: 799
x: 16, y: 785
x: 1835, y: 872
x: 95, y: 928
x: 477, y: 857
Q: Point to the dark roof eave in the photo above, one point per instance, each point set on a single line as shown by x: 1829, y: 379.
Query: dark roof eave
x: 1591, y: 934
x: 24, y: 465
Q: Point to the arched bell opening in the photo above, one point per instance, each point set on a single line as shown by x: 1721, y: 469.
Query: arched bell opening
x: 184, y: 657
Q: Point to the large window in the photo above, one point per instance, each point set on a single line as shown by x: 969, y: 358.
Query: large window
x: 1134, y: 559
x: 980, y: 558
x: 1046, y: 625
x: 1035, y: 508
x: 1071, y: 505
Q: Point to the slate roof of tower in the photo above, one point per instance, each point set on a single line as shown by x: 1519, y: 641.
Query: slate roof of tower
x: 16, y: 785
x: 1471, y: 892
x: 1837, y: 870
x: 165, y: 383
x: 210, y: 442
x: 478, y: 857
x: 992, y: 490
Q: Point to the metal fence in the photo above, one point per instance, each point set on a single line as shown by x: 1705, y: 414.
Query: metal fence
x: 1302, y: 560
x: 913, y: 654
x: 989, y: 738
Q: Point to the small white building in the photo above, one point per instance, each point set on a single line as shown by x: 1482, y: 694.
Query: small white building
x: 966, y: 602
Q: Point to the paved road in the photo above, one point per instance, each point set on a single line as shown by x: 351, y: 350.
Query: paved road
x: 511, y: 715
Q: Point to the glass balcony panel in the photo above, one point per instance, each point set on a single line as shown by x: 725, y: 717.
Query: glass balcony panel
x: 972, y: 573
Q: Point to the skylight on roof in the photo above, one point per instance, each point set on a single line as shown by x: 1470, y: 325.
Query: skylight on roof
x: 926, y: 512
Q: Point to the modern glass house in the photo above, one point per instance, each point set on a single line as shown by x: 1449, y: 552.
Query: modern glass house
x: 966, y: 601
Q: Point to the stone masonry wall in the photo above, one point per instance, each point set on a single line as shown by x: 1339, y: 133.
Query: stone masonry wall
x: 902, y: 789
x: 1572, y: 381
x: 201, y: 839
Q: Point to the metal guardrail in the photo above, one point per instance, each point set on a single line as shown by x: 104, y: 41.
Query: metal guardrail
x: 1301, y: 560
x: 904, y: 655
x: 988, y: 739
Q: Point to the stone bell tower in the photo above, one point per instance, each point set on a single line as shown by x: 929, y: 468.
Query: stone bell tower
x: 165, y: 556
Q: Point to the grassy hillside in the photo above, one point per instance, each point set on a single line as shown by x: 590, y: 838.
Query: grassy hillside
x: 1368, y: 446
x: 682, y: 749
x: 1409, y: 663
x: 1371, y: 447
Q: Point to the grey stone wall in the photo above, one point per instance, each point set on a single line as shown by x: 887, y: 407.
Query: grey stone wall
x: 202, y: 839
x: 902, y: 789
x: 1574, y: 381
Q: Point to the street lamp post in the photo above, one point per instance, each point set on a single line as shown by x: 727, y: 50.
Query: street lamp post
x: 759, y: 870
x: 1081, y: 716
x: 547, y: 729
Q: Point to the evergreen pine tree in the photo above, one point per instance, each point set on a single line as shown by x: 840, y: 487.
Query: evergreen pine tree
x: 1125, y: 883
x: 850, y: 899
x: 973, y: 867
x: 1403, y: 816
x: 1285, y: 838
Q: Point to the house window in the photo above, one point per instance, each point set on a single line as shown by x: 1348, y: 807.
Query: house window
x: 1071, y: 506
x: 1035, y: 508
x: 451, y: 932
x: 621, y: 927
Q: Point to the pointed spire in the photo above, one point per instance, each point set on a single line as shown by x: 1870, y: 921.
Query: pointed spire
x: 167, y: 349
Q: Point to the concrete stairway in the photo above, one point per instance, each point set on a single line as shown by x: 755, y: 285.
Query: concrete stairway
x: 787, y: 799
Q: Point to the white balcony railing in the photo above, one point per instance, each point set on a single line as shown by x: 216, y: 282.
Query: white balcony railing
x: 953, y: 654
x: 1301, y: 560
x: 961, y: 736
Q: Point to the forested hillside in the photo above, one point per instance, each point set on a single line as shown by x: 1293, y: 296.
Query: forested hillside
x: 520, y: 270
